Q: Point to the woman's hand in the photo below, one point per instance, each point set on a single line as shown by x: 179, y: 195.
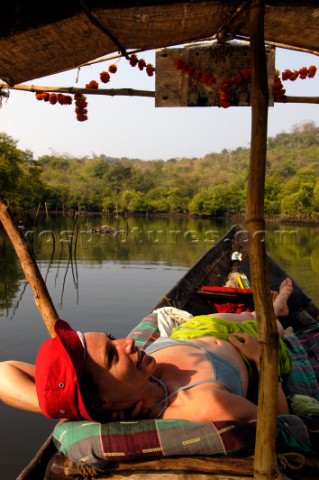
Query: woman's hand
x: 247, y: 344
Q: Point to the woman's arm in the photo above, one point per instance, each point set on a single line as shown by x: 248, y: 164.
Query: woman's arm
x: 249, y: 347
x: 17, y: 387
x: 158, y: 323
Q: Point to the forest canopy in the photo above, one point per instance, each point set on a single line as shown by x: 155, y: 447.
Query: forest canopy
x: 214, y: 185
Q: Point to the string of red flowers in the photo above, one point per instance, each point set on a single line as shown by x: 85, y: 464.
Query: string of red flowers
x: 278, y: 90
x: 223, y: 86
x: 149, y: 68
x: 302, y: 73
x: 54, y: 98
x: 81, y: 107
x: 105, y: 77
x: 133, y: 59
x: 81, y: 100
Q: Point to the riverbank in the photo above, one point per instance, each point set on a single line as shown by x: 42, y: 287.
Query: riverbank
x: 30, y: 216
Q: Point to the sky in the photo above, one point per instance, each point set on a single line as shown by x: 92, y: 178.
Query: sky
x: 132, y: 127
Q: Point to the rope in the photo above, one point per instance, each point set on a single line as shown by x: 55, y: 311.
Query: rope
x: 286, y: 460
x: 85, y: 471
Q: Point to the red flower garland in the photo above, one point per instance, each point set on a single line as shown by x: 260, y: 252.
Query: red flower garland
x: 133, y: 59
x: 53, y: 98
x: 141, y: 64
x: 278, y: 90
x: 92, y: 84
x: 80, y: 107
x: 113, y: 68
x: 223, y: 87
x: 105, y: 77
x: 302, y: 73
x: 150, y: 69
x: 81, y: 100
x: 312, y: 71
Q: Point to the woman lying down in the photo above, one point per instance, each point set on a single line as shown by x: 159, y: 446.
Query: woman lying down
x: 96, y: 377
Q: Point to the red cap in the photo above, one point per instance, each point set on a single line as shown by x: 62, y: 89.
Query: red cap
x: 59, y: 366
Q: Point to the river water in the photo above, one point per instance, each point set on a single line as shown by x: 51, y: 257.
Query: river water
x: 109, y: 282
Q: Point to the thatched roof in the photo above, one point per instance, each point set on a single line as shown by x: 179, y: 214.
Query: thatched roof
x: 40, y: 38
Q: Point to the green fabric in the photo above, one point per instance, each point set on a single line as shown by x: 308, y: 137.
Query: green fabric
x: 204, y: 325
x: 303, y: 405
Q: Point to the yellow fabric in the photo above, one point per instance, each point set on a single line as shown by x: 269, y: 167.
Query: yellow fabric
x: 303, y: 405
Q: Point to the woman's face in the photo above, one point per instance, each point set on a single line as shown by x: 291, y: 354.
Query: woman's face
x: 117, y: 367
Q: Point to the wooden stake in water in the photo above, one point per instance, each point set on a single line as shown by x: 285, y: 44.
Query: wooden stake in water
x: 30, y: 268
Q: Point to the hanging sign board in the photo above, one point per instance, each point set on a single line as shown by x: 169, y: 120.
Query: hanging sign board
x: 207, y: 75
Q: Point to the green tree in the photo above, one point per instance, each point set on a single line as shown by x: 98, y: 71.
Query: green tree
x: 109, y: 204
x: 176, y: 202
x: 133, y: 202
x: 201, y: 203
x: 273, y: 186
x: 299, y: 203
x: 214, y: 184
x: 19, y: 175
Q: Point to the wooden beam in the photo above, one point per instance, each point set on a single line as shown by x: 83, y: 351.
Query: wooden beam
x: 290, y: 99
x: 265, y: 457
x: 127, y: 92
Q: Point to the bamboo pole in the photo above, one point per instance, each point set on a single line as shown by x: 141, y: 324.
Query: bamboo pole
x: 126, y: 92
x: 280, y: 45
x: 295, y: 99
x: 265, y: 456
x: 32, y: 273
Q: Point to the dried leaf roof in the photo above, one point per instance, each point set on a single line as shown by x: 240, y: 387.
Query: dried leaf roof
x: 41, y: 38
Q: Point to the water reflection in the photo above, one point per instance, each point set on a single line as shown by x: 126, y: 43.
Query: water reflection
x: 130, y: 239
x: 60, y: 243
x: 10, y: 276
x: 296, y: 249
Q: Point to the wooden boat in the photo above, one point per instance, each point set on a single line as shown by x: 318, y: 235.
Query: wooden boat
x: 212, y: 269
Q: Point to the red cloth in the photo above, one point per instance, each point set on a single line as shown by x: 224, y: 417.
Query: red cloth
x: 230, y: 306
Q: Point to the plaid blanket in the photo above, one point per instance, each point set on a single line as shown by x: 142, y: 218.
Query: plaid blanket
x: 303, y: 377
x: 96, y: 444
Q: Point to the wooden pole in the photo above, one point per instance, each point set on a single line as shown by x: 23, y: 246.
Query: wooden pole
x: 289, y: 99
x: 126, y: 92
x: 30, y: 268
x: 265, y: 456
